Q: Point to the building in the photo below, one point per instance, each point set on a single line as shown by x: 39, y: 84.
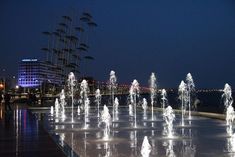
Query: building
x: 33, y: 73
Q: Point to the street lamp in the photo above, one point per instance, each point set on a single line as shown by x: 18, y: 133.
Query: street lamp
x: 1, y: 86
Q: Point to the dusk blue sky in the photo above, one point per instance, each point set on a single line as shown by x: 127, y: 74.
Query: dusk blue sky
x: 133, y: 38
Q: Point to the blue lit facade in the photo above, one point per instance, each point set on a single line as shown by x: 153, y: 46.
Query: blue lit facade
x: 32, y: 73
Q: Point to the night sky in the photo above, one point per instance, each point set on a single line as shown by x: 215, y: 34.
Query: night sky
x: 133, y: 38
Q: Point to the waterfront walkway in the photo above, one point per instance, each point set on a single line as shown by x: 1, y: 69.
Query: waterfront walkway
x: 22, y: 136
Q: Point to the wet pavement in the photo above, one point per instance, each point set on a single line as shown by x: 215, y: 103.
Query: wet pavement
x: 22, y: 136
x: 199, y: 137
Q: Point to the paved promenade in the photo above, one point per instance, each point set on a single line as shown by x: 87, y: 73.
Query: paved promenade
x: 22, y: 136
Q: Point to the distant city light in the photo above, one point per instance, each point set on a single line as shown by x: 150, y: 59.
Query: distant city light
x: 29, y: 60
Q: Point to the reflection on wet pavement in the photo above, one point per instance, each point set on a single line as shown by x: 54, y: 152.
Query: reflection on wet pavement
x: 22, y: 135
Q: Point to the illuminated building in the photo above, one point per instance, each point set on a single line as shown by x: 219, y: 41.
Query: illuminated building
x: 33, y: 72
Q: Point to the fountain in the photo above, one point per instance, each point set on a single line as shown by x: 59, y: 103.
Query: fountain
x: 116, y: 104
x: 190, y: 89
x: 169, y: 117
x: 52, y: 110
x: 164, y: 99
x: 125, y: 139
x: 56, y: 107
x: 130, y: 110
x: 183, y: 97
x: 145, y: 148
x: 153, y: 90
x: 230, y: 114
x: 227, y: 95
x: 106, y: 118
x: 84, y: 89
x: 134, y: 93
x: 86, y: 112
x: 78, y: 111
x: 62, y: 103
x: 71, y: 83
x: 144, y: 106
x: 98, y: 101
x: 112, y: 87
